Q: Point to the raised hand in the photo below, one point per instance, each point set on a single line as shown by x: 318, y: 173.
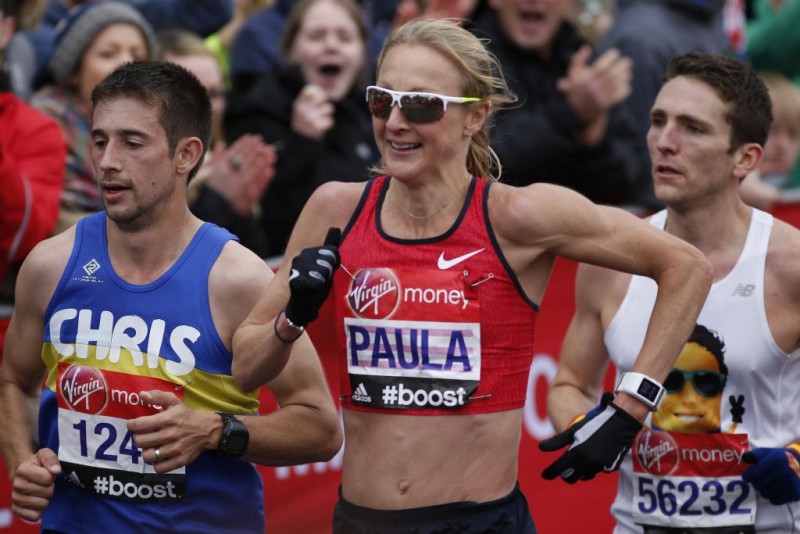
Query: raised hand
x: 593, y: 89
x: 311, y: 278
x: 241, y: 172
x: 312, y: 112
x: 737, y: 408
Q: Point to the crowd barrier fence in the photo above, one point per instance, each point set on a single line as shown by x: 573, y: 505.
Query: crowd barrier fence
x: 300, y: 499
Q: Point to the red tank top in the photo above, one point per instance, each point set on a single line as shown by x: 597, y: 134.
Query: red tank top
x: 433, y: 326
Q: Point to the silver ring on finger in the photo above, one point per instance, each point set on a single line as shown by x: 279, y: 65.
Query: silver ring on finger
x: 157, y: 453
x: 236, y: 162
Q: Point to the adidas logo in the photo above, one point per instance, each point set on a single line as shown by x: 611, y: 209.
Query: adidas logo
x: 360, y: 394
x: 73, y: 477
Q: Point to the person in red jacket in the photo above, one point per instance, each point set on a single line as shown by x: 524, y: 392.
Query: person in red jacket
x: 32, y: 160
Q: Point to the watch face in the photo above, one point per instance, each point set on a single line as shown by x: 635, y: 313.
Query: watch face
x: 648, y: 390
x: 237, y: 442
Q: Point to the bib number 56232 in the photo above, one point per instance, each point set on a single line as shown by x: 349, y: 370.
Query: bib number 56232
x: 688, y: 498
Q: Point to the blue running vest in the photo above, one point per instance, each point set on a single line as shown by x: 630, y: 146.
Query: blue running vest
x: 105, y: 341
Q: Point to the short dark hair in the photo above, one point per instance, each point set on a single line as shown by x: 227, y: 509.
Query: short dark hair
x: 737, y: 84
x: 712, y: 342
x: 184, y: 109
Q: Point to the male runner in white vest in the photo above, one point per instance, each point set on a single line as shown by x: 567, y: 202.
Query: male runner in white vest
x: 690, y: 471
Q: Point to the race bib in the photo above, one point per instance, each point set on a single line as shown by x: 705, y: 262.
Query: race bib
x: 413, y: 339
x: 692, y: 483
x: 96, y: 450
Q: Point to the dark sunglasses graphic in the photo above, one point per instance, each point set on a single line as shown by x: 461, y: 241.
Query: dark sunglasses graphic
x: 706, y: 383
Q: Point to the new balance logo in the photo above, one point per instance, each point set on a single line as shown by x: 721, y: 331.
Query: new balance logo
x: 361, y: 395
x: 91, y: 267
x: 743, y: 290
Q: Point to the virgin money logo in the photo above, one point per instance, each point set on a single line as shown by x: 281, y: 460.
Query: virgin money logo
x: 84, y: 389
x: 374, y: 293
x: 656, y: 452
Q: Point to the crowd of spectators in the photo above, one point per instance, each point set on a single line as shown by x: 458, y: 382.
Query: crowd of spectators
x: 287, y: 80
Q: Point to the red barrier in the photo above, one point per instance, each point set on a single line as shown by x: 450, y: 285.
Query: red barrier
x: 301, y: 498
x: 789, y: 212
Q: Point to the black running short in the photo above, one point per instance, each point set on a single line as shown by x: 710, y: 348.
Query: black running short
x: 508, y: 515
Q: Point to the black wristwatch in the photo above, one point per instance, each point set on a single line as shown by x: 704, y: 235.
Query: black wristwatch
x: 234, y: 438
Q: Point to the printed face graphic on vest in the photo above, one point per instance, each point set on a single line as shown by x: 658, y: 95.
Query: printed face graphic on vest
x: 695, y: 385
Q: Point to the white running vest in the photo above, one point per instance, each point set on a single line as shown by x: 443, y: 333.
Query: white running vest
x: 768, y: 378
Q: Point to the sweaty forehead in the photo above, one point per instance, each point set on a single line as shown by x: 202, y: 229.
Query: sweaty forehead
x: 418, y: 68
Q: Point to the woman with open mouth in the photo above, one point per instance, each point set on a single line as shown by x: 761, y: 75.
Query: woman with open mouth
x: 312, y: 110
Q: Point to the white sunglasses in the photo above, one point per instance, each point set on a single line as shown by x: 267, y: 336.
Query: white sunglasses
x: 417, y: 107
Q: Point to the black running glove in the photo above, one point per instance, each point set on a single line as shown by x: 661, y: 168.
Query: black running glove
x: 598, y: 442
x: 311, y: 279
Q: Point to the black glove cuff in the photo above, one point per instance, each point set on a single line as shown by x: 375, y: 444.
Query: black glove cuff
x: 296, y: 317
x: 627, y: 418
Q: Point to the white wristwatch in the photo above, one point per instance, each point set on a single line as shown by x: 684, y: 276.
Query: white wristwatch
x: 643, y: 388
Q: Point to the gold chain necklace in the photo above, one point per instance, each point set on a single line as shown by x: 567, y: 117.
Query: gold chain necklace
x: 414, y: 216
x: 421, y: 217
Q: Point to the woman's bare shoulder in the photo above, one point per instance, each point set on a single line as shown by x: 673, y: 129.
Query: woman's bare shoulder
x: 537, y: 211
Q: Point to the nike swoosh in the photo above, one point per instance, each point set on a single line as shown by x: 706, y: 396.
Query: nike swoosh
x: 446, y: 264
x: 613, y: 466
